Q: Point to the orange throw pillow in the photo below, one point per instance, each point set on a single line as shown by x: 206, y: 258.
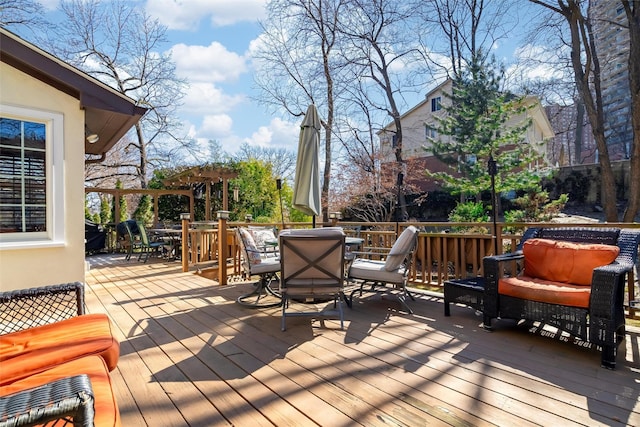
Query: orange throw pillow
x: 566, y: 262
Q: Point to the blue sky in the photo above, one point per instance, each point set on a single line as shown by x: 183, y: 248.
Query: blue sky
x: 211, y: 42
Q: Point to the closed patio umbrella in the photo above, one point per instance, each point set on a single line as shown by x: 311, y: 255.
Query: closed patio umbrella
x: 306, y: 186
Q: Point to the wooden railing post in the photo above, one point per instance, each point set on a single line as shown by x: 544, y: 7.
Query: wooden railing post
x: 223, y: 216
x: 185, y: 217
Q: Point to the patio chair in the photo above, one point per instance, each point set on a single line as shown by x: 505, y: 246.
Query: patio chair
x: 571, y: 278
x: 393, y: 271
x: 255, y: 262
x: 128, y: 236
x: 265, y: 238
x: 312, y: 269
x: 147, y: 246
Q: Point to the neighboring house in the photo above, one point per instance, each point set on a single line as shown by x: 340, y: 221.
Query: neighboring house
x: 51, y: 115
x: 419, y: 123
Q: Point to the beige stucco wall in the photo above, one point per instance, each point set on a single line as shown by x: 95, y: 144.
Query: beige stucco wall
x: 25, y: 268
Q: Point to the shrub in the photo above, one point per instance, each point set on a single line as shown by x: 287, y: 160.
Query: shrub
x: 535, y: 207
x: 469, y: 212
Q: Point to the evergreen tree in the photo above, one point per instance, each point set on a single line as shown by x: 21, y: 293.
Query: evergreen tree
x: 476, y: 126
x: 87, y: 212
x: 144, y: 211
x: 123, y: 206
x: 105, y: 210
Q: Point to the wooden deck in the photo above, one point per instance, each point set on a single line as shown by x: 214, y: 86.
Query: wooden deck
x: 191, y: 356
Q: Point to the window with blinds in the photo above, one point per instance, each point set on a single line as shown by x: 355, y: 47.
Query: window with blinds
x: 23, y: 177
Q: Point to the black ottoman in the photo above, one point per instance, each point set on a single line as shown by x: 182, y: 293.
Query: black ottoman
x: 467, y: 291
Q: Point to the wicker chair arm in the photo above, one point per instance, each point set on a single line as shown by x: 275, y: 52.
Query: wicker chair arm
x: 65, y: 399
x: 494, y: 269
x: 607, y: 289
x: 615, y: 267
x: 505, y: 257
x: 628, y: 242
x: 26, y: 308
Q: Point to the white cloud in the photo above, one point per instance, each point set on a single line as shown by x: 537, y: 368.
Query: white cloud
x: 213, y: 63
x: 215, y: 126
x: 49, y: 4
x: 187, y: 14
x: 278, y: 133
x: 206, y: 98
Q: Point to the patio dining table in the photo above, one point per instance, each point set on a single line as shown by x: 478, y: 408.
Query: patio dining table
x: 172, y: 237
x: 350, y: 242
x: 259, y: 292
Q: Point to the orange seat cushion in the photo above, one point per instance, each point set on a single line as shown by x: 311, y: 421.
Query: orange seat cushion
x: 36, y: 349
x: 540, y: 290
x: 565, y: 262
x: 105, y: 406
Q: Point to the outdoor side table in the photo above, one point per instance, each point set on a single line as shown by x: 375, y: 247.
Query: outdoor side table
x: 467, y: 291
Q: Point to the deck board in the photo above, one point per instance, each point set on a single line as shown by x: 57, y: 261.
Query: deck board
x: 192, y: 356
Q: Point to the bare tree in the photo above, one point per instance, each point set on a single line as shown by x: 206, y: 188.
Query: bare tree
x: 121, y: 46
x: 361, y: 193
x: 587, y: 76
x: 282, y: 161
x: 377, y: 41
x: 297, y: 52
x: 632, y: 11
x: 20, y: 15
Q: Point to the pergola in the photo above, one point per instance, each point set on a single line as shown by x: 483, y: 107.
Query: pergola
x: 207, y: 175
x: 195, y: 175
x: 117, y: 192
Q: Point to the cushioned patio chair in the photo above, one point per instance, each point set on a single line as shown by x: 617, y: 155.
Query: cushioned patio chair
x: 572, y: 278
x: 256, y: 262
x: 393, y: 272
x: 265, y: 239
x: 55, y: 359
x: 43, y: 327
x: 312, y: 269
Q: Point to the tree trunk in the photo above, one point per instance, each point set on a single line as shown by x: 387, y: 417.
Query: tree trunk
x: 579, y: 132
x: 142, y: 170
x: 324, y: 199
x: 633, y: 17
x: 581, y: 35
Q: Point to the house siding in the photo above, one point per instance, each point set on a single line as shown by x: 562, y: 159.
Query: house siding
x: 416, y: 147
x: 25, y: 268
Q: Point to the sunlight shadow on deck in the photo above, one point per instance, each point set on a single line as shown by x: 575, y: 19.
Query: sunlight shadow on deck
x: 566, y: 361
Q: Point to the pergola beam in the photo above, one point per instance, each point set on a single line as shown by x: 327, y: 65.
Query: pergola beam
x: 206, y: 175
x: 155, y: 193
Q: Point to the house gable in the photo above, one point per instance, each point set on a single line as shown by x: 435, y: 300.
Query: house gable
x: 419, y: 123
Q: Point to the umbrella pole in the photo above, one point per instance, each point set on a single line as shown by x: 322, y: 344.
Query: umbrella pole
x: 279, y: 187
x: 492, y: 168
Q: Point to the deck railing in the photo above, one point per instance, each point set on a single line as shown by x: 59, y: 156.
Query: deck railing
x: 445, y: 250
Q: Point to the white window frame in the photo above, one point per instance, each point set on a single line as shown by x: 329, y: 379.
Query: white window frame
x: 55, y: 186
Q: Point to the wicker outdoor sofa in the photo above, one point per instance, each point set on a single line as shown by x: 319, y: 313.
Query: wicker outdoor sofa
x: 55, y: 359
x: 592, y: 310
